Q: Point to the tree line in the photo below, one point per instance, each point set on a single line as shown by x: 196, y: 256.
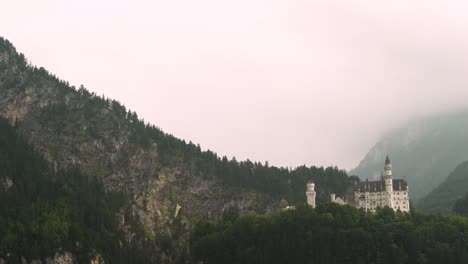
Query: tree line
x: 43, y: 211
x: 278, y: 182
x: 332, y: 234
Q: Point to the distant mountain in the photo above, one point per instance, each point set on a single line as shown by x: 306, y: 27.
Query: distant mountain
x: 443, y: 198
x: 425, y: 151
x: 461, y: 206
x: 169, y: 183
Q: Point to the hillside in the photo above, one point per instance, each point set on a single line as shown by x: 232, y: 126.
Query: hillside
x: 461, y: 206
x: 425, y: 151
x: 333, y: 234
x: 169, y: 182
x: 47, y: 214
x: 442, y: 199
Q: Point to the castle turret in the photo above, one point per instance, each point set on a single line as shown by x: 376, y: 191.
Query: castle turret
x: 388, y: 181
x: 311, y: 194
x: 388, y: 167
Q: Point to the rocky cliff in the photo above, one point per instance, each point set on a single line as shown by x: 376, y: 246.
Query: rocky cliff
x: 70, y: 126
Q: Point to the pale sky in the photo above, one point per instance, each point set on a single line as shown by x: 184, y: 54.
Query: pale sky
x: 289, y: 81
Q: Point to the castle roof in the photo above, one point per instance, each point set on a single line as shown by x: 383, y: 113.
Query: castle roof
x: 379, y: 186
x: 387, y: 160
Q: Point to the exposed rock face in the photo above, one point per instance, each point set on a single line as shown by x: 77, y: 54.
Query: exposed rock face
x: 61, y: 258
x: 5, y: 183
x: 97, y: 259
x: 68, y: 128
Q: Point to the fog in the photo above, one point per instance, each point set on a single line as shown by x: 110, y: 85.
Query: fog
x: 291, y: 82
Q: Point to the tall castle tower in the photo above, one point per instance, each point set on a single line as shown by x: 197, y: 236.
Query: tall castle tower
x: 388, y: 181
x: 386, y: 191
x: 311, y: 194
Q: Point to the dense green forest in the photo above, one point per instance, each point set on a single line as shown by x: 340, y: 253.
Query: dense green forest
x: 42, y: 211
x: 332, y: 234
x: 75, y: 198
x: 44, y: 208
x: 443, y: 198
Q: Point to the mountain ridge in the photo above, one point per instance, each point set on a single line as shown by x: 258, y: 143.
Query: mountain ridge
x: 168, y: 180
x: 77, y: 128
x: 425, y: 151
x: 443, y: 198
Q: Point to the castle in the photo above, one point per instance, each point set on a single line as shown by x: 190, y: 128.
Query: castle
x: 370, y: 195
x: 311, y: 193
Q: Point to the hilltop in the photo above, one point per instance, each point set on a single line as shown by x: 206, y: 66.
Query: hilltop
x: 169, y: 183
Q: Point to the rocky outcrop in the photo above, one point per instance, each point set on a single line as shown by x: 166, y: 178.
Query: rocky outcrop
x: 72, y: 128
x: 61, y: 258
x: 5, y: 183
x: 97, y: 259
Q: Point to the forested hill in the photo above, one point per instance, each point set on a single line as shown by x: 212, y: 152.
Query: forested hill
x: 166, y: 178
x: 425, y: 151
x: 442, y: 199
x: 333, y: 234
x: 44, y: 213
x: 461, y: 206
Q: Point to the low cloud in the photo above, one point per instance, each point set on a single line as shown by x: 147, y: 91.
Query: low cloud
x: 292, y: 82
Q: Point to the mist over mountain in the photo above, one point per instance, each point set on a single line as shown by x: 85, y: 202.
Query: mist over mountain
x: 443, y: 198
x: 206, y: 132
x: 424, y: 150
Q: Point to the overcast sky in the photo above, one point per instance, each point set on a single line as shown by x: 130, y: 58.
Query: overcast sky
x: 289, y: 81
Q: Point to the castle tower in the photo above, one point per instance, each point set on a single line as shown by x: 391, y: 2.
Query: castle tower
x: 388, y: 181
x: 388, y: 167
x: 311, y: 194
